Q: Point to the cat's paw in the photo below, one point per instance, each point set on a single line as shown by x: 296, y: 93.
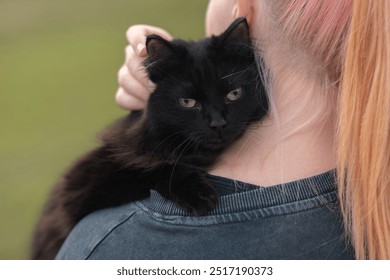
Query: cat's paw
x: 197, y: 197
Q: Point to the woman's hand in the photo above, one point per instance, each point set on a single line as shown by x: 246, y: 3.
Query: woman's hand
x: 134, y: 85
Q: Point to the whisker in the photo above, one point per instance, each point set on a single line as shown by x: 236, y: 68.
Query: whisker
x: 238, y: 72
x: 174, y: 166
x: 172, y: 154
x: 166, y: 138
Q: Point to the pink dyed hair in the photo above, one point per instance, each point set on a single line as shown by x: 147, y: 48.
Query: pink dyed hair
x: 318, y: 26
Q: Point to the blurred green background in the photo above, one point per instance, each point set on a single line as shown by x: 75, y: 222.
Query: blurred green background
x: 58, y: 77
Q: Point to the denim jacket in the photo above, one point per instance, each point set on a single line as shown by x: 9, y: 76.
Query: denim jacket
x: 297, y: 220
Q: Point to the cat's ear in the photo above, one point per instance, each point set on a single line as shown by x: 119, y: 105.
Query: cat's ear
x: 236, y: 33
x: 161, y: 58
x: 157, y: 47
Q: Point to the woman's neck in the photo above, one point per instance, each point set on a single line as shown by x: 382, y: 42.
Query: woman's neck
x: 295, y: 143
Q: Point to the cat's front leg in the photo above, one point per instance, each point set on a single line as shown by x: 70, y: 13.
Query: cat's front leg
x: 189, y: 188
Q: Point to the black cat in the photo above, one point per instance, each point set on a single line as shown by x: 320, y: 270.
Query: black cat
x: 207, y: 93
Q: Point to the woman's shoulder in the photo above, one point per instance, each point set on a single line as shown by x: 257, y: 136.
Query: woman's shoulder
x: 90, y: 231
x: 303, y: 214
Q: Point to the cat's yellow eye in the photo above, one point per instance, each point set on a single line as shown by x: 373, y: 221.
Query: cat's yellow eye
x: 234, y: 94
x: 188, y: 102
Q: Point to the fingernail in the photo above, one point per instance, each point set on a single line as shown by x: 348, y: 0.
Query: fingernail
x: 235, y: 11
x: 141, y: 50
x: 151, y: 85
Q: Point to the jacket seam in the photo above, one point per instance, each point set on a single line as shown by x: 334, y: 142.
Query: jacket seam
x: 108, y: 233
x: 163, y: 220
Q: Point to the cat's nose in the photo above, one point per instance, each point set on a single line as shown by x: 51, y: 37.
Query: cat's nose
x: 220, y: 123
x: 217, y: 121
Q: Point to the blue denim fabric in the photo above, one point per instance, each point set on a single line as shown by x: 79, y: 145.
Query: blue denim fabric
x: 297, y: 220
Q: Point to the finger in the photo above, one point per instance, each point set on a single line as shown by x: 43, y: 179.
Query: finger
x: 136, y: 36
x: 128, y: 102
x: 136, y: 68
x: 131, y: 85
x: 141, y: 50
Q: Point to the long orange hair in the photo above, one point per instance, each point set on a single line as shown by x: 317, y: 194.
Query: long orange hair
x: 350, y: 39
x: 364, y: 130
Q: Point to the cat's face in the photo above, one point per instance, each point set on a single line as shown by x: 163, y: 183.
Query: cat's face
x: 207, y: 92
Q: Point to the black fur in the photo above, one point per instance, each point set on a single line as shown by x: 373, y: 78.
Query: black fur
x: 166, y: 147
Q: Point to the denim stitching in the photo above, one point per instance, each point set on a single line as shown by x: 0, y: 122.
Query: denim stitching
x: 245, y: 216
x: 109, y: 233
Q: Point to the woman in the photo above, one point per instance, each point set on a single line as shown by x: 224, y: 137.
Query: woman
x: 328, y: 85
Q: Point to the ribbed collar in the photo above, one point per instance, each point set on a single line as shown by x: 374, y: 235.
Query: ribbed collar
x: 237, y: 196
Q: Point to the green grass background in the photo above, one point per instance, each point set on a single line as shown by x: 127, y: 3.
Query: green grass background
x: 58, y: 69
